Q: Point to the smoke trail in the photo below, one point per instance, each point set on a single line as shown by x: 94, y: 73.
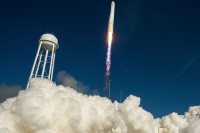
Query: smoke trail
x: 108, y: 59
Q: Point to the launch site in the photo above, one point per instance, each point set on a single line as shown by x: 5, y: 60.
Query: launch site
x: 106, y: 66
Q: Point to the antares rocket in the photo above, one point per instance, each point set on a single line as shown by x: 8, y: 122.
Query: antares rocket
x: 110, y: 37
x: 111, y: 18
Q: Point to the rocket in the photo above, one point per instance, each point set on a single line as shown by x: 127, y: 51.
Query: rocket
x: 111, y: 18
x: 109, y: 39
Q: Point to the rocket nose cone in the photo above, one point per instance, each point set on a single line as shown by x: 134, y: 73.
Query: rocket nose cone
x: 113, y: 3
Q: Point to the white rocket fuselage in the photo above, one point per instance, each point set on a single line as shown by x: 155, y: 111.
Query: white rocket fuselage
x: 111, y: 18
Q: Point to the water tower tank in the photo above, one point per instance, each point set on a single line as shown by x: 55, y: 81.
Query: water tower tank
x: 48, y: 41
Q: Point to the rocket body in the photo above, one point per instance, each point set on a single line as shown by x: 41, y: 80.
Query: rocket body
x: 111, y: 18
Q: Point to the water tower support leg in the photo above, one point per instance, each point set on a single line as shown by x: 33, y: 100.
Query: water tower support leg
x: 51, y: 64
x: 54, y: 54
x: 36, y: 57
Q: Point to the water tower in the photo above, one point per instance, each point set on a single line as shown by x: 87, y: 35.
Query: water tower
x: 43, y: 65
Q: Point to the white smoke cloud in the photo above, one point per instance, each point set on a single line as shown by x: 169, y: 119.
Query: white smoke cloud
x: 193, y: 113
x: 193, y: 118
x: 47, y: 108
x: 193, y: 127
x: 173, y: 122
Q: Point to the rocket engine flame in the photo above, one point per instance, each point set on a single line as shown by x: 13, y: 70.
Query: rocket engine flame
x: 110, y: 38
x: 108, y: 59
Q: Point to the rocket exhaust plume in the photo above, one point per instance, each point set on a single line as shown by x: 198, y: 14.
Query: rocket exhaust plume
x: 47, y: 108
x: 110, y: 38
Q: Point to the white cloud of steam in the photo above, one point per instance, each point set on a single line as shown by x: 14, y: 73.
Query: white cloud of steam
x: 193, y: 113
x: 173, y: 122
x: 47, y: 108
x: 193, y: 127
x: 193, y: 118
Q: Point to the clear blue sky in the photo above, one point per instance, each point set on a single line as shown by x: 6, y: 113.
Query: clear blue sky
x: 155, y: 55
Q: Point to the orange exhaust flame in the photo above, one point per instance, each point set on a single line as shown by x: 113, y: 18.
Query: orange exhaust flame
x: 108, y: 59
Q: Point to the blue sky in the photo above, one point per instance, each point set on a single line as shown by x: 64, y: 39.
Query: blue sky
x: 155, y: 55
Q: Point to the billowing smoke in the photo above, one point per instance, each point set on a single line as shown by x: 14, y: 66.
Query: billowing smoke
x: 47, y: 108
